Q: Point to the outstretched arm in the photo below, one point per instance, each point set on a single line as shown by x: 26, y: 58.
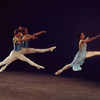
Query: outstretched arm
x: 90, y: 39
x: 38, y: 33
x: 27, y: 38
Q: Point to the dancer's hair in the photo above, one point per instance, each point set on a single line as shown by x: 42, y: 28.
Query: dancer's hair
x: 23, y: 30
x: 16, y: 31
x: 78, y: 35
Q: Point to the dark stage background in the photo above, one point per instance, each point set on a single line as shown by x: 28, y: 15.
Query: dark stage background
x: 62, y: 20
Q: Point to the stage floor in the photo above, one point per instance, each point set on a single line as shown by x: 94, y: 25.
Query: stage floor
x: 35, y: 86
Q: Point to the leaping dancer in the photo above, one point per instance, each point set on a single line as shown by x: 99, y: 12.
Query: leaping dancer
x: 17, y: 53
x: 25, y: 45
x: 81, y: 54
x: 27, y: 50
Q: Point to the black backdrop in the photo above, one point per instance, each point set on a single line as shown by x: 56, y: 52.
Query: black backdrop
x: 62, y: 20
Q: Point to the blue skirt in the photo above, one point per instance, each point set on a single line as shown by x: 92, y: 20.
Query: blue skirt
x: 78, y: 60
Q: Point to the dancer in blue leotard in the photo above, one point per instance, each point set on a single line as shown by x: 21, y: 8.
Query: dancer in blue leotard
x: 17, y: 53
x: 27, y: 50
x: 24, y: 47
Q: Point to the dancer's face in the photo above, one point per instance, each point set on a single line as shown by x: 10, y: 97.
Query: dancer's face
x: 18, y: 35
x: 26, y: 31
x: 82, y: 35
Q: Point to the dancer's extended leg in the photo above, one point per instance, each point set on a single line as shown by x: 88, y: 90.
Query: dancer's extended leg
x: 33, y: 50
x: 23, y: 58
x: 92, y: 53
x: 64, y: 68
x: 5, y: 66
x: 8, y: 59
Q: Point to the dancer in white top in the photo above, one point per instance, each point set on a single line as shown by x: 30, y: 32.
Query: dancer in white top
x: 16, y: 53
x: 81, y: 54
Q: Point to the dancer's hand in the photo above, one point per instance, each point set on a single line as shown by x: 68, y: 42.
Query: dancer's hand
x: 36, y: 34
x: 43, y: 32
